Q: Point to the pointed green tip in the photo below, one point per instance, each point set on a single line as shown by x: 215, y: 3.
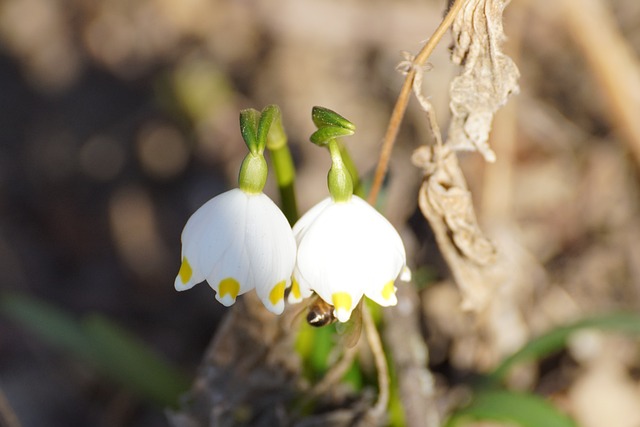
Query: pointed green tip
x: 324, y: 117
x: 249, y: 120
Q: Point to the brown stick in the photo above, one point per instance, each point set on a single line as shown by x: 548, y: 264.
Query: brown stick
x: 612, y: 62
x: 403, y: 99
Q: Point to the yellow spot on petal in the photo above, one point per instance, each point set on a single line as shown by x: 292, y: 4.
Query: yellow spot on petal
x: 388, y: 290
x: 277, y: 293
x: 229, y: 286
x: 342, y: 300
x: 185, y: 272
x: 295, y: 289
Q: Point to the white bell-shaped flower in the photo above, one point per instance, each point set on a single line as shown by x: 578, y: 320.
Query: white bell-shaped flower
x: 239, y: 241
x: 347, y: 249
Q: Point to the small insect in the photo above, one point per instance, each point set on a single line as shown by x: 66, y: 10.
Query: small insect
x: 320, y: 313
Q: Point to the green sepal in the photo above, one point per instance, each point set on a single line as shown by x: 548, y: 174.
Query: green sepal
x: 249, y: 120
x: 324, y: 117
x: 323, y: 135
x: 270, y: 115
x: 330, y: 125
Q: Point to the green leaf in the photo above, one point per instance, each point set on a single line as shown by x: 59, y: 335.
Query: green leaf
x: 323, y: 135
x: 324, y: 117
x: 330, y: 125
x: 526, y: 410
x: 249, y: 120
x: 53, y: 326
x: 270, y: 114
x: 112, y: 351
x: 124, y: 358
x: 556, y: 339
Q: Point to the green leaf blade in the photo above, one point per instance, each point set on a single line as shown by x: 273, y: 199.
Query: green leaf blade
x: 556, y: 339
x: 124, y: 358
x: 51, y: 325
x: 112, y: 351
x: 526, y: 410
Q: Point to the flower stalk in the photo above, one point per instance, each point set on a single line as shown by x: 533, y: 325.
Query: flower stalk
x: 282, y: 162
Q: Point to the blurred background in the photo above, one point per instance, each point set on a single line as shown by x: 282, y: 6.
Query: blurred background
x: 119, y: 119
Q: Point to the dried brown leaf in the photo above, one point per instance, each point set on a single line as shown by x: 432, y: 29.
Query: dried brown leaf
x: 446, y: 203
x: 489, y: 76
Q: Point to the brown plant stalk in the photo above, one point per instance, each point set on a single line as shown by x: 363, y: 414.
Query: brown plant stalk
x: 403, y: 99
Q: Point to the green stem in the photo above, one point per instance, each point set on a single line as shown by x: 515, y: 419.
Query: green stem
x: 353, y: 170
x: 284, y: 169
x: 339, y: 179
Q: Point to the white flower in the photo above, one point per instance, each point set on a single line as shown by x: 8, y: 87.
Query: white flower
x: 345, y: 250
x: 239, y: 241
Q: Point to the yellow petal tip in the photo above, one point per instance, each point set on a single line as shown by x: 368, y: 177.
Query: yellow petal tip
x: 296, y: 293
x: 388, y: 291
x: 277, y: 293
x: 186, y: 272
x: 228, y: 290
x: 343, y: 304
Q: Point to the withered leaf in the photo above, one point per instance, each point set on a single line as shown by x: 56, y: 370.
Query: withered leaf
x: 446, y: 203
x: 488, y: 78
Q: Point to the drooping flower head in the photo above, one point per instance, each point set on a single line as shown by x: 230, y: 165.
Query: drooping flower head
x: 346, y: 249
x: 240, y: 240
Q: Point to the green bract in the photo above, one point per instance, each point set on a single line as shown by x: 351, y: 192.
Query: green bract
x: 270, y: 114
x: 249, y: 120
x: 255, y: 128
x: 332, y: 125
x: 323, y: 117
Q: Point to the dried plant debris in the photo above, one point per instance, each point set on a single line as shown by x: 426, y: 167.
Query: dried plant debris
x: 446, y: 203
x: 250, y: 376
x: 489, y: 76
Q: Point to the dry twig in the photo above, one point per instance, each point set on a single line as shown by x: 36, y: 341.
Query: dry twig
x: 613, y: 63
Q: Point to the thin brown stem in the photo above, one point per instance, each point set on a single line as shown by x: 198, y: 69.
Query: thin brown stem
x: 403, y: 99
x: 335, y: 373
x: 373, y: 338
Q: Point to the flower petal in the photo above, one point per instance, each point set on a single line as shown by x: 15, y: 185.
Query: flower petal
x: 384, y: 295
x: 227, y: 291
x: 344, y: 303
x: 271, y: 251
x: 349, y: 249
x: 239, y: 241
x: 301, y: 226
x: 206, y: 236
x: 300, y: 288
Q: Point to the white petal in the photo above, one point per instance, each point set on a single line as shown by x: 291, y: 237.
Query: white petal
x: 231, y: 266
x: 271, y: 251
x: 405, y: 274
x: 300, y: 289
x: 344, y: 303
x: 351, y: 248
x: 208, y: 233
x: 383, y: 294
x: 300, y: 227
x: 238, y: 242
